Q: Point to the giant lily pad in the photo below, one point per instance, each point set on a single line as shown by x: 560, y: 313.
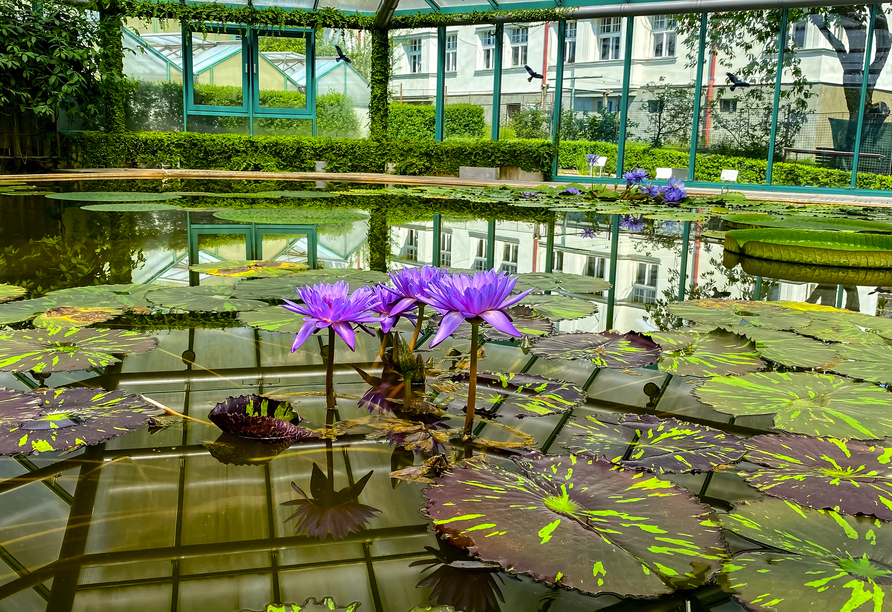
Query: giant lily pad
x: 804, y: 222
x: 131, y: 207
x: 10, y: 292
x: 259, y: 418
x: 525, y: 320
x: 249, y: 268
x: 293, y: 216
x: 65, y: 316
x: 520, y: 394
x: 206, y: 298
x: 273, y: 318
x: 649, y: 443
x: 559, y: 307
x: 788, y: 349
x: 112, y: 196
x: 605, y: 350
x: 554, y: 281
x: 822, y: 248
x: 67, y: 349
x: 816, y: 404
x: 714, y: 354
x: 283, y: 288
x: 580, y: 523
x: 128, y: 296
x: 62, y: 419
x: 819, y: 560
x: 871, y: 363
x: 843, y: 475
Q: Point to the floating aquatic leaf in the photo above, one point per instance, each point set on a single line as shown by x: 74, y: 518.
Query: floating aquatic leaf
x: 65, y: 316
x: 722, y: 313
x: 22, y: 310
x: 518, y: 394
x: 843, y: 475
x: 326, y: 604
x: 714, y: 354
x: 525, y: 320
x: 128, y: 296
x: 580, y: 523
x: 205, y: 298
x: 329, y: 512
x: 112, y: 196
x: 554, y: 281
x: 869, y: 362
x: 677, y: 216
x: 249, y: 268
x: 788, y: 349
x: 605, y: 350
x: 559, y: 307
x: 649, y: 443
x: 418, y: 436
x: 800, y: 221
x: 304, y: 195
x: 815, y: 404
x: 293, y: 216
x: 131, y: 207
x: 68, y: 349
x: 10, y: 292
x: 284, y: 288
x: 820, y: 561
x: 830, y: 327
x: 259, y: 418
x: 62, y: 419
x: 273, y: 318
x: 431, y: 468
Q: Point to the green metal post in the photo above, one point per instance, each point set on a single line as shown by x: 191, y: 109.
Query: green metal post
x: 614, y: 257
x: 840, y: 294
x: 757, y: 289
x: 549, y: 246
x: 441, y: 83
x: 557, y: 96
x: 624, y: 107
x: 497, y: 82
x: 437, y: 246
x: 781, y: 45
x: 683, y: 269
x: 491, y: 245
x: 187, y: 73
x: 864, y: 82
x: 698, y: 95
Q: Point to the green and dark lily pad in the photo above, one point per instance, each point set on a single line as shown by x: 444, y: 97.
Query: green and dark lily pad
x: 559, y: 307
x: 136, y: 207
x: 821, y: 248
x: 788, y: 349
x: 63, y: 419
x: 326, y: 604
x: 556, y: 281
x: 10, y: 292
x: 818, y: 560
x: 205, y: 298
x: 714, y: 354
x: 866, y: 362
x: 842, y: 475
x: 259, y: 418
x: 67, y: 349
x: 127, y: 296
x: 22, y: 310
x: 65, y: 316
x: 112, y: 196
x: 657, y: 445
x: 724, y: 313
x: 804, y: 222
x: 283, y: 288
x: 605, y: 350
x: 814, y: 404
x: 249, y: 268
x: 580, y: 523
x: 273, y: 318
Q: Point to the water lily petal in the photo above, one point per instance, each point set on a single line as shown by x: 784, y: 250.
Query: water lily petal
x: 511, y: 301
x: 308, y: 328
x: 448, y: 325
x: 345, y: 331
x: 387, y: 323
x: 500, y: 321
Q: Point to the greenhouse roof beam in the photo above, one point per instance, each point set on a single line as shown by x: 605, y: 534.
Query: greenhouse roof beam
x: 385, y: 13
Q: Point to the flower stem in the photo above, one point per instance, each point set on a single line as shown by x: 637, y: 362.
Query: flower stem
x: 417, y: 327
x: 472, y: 382
x: 329, y: 372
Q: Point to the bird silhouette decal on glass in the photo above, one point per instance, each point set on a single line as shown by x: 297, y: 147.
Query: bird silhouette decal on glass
x: 533, y: 74
x: 736, y: 82
x: 341, y: 57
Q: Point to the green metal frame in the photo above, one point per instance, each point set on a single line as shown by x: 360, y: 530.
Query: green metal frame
x: 253, y: 233
x: 439, y: 126
x: 698, y: 97
x: 497, y: 81
x: 868, y: 48
x: 778, y: 82
x: 310, y: 78
x: 624, y: 101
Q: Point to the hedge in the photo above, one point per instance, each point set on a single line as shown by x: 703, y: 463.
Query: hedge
x: 296, y: 153
x: 417, y: 122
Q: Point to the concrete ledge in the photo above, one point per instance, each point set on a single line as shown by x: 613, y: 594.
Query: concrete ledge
x: 474, y: 173
x: 513, y: 173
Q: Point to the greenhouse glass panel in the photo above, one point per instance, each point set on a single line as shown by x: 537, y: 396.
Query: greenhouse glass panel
x: 220, y: 67
x: 875, y: 151
x: 413, y: 84
x: 527, y: 82
x: 280, y: 71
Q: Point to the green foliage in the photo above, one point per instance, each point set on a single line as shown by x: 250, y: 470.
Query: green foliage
x: 379, y: 95
x: 530, y: 124
x: 416, y: 122
x: 335, y: 117
x: 464, y: 121
x: 669, y: 112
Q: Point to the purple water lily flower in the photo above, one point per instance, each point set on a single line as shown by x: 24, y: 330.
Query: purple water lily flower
x: 529, y: 194
x: 333, y: 306
x: 674, y: 191
x: 413, y: 283
x: 390, y: 306
x: 589, y: 232
x: 592, y: 159
x: 631, y: 224
x: 650, y: 190
x: 571, y: 191
x: 633, y: 177
x: 485, y: 295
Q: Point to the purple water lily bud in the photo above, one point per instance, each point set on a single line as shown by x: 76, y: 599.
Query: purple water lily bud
x: 333, y: 306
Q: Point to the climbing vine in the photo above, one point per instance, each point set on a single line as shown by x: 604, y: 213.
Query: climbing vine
x: 111, y: 68
x: 379, y: 99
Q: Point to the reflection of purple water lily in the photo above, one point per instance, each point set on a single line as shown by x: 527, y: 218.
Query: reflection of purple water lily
x: 390, y: 306
x: 592, y: 159
x: 674, y: 191
x: 631, y: 224
x: 335, y: 307
x: 633, y: 177
x: 589, y: 232
x: 571, y: 191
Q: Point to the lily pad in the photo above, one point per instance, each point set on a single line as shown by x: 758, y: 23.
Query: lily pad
x: 722, y: 313
x: 525, y: 320
x: 305, y: 195
x: 842, y: 475
x: 259, y: 418
x: 555, y: 281
x: 870, y: 363
x: 273, y: 318
x: 788, y: 349
x: 714, y: 354
x: 128, y: 296
x: 819, y: 560
x: 207, y: 298
x: 22, y: 310
x: 292, y: 216
x: 580, y: 523
x: 649, y: 443
x: 284, y: 288
x: 112, y: 196
x: 559, y: 307
x: 804, y: 222
x: 63, y: 419
x: 249, y: 268
x: 65, y: 316
x: 822, y: 248
x: 520, y: 394
x: 605, y: 350
x: 815, y: 404
x: 68, y: 349
x: 10, y: 292
x: 831, y: 327
x: 132, y: 207
x: 326, y: 604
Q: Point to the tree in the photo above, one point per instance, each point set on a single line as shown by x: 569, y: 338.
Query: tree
x: 670, y: 110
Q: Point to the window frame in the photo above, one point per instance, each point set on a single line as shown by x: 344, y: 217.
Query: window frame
x: 610, y: 29
x: 663, y: 29
x: 451, y: 52
x: 570, y: 42
x: 487, y: 49
x: 519, y: 46
x: 412, y: 54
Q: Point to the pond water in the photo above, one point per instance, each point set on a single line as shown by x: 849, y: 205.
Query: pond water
x: 176, y: 515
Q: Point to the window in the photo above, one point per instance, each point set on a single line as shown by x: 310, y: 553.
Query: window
x: 509, y: 258
x: 798, y: 33
x: 451, y: 52
x: 413, y: 54
x: 570, y: 43
x: 480, y: 258
x: 445, y: 249
x: 595, y: 266
x: 558, y: 264
x: 654, y: 106
x: 728, y: 106
x: 609, y: 37
x: 664, y: 35
x: 410, y: 248
x: 488, y: 44
x: 607, y: 105
x: 519, y: 37
x: 644, y: 291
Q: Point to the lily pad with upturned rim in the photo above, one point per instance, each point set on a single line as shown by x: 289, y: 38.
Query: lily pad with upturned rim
x: 112, y: 196
x: 699, y: 354
x: 580, y: 523
x: 10, y: 292
x: 840, y: 249
x: 203, y: 298
x: 250, y: 268
x: 605, y: 350
x: 135, y: 207
x: 803, y: 402
x: 259, y: 418
x: 68, y: 349
x: 657, y: 445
